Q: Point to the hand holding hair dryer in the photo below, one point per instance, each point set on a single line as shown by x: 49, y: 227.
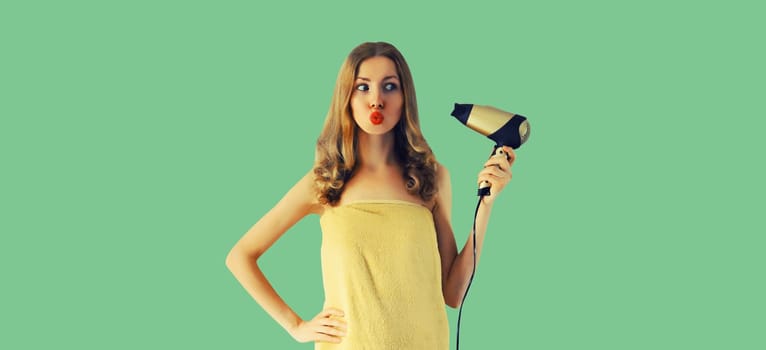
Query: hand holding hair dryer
x: 506, y: 129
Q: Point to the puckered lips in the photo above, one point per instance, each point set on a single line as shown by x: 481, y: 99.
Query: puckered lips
x: 376, y: 117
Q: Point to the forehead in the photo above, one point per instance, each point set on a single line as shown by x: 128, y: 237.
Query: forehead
x: 377, y: 67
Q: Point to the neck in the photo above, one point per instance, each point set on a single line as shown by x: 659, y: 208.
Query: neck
x: 376, y: 151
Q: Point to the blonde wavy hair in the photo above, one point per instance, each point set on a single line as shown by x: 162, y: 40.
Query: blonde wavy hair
x: 336, y: 151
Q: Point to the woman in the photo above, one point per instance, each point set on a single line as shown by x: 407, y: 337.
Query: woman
x: 389, y: 256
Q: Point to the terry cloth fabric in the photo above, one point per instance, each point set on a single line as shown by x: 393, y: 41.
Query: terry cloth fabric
x: 381, y: 266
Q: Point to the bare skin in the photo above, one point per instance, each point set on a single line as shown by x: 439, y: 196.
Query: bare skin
x: 378, y: 177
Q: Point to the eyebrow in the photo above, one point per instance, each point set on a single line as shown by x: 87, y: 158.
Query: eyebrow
x: 384, y: 79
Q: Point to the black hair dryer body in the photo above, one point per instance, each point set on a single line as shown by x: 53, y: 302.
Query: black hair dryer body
x: 506, y: 129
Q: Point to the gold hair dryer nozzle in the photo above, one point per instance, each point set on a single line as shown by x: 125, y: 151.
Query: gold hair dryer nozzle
x: 506, y: 129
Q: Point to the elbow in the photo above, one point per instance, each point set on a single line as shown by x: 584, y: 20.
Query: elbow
x: 237, y: 256
x: 230, y: 259
x: 454, y: 303
x: 451, y: 300
x: 233, y: 258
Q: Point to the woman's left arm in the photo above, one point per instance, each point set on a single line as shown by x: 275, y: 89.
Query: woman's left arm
x: 457, y: 267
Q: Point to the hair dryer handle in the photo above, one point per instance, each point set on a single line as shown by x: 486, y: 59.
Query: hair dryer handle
x: 485, y: 185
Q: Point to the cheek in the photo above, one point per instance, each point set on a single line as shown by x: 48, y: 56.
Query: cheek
x: 398, y: 104
x: 357, y: 107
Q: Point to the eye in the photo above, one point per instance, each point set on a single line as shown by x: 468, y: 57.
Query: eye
x: 390, y: 87
x: 363, y: 87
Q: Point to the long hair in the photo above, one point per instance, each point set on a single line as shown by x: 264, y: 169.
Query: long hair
x: 336, y: 151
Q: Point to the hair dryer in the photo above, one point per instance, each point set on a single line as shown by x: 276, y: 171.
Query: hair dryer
x: 506, y: 129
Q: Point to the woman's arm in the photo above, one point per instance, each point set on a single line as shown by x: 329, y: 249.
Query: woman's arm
x: 242, y: 261
x: 457, y: 267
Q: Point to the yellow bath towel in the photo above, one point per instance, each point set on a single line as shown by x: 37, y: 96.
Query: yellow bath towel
x: 381, y: 266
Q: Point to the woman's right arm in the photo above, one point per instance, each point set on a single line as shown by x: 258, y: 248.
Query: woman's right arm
x: 242, y: 261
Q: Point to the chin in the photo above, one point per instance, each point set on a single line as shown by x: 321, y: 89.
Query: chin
x: 377, y: 129
x: 369, y: 128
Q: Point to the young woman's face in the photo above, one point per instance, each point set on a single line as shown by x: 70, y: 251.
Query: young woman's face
x: 376, y: 102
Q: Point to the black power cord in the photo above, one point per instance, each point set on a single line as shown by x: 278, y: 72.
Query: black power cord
x: 473, y: 272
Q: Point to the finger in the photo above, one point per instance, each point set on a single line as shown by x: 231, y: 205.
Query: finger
x: 332, y: 322
x: 334, y: 311
x: 494, y: 171
x: 331, y: 312
x: 511, y: 154
x: 498, y: 161
x: 330, y: 331
x: 320, y: 337
x: 486, y: 178
x: 495, y: 179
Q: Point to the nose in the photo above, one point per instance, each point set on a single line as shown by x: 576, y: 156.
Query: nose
x: 376, y: 100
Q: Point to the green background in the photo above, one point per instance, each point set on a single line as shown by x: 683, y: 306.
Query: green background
x: 140, y: 140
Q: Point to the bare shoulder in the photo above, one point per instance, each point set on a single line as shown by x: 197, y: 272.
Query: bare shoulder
x: 442, y: 214
x: 443, y: 187
x: 299, y: 201
x: 303, y: 195
x: 442, y: 173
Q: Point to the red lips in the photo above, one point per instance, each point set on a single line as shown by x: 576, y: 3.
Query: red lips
x: 376, y: 118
